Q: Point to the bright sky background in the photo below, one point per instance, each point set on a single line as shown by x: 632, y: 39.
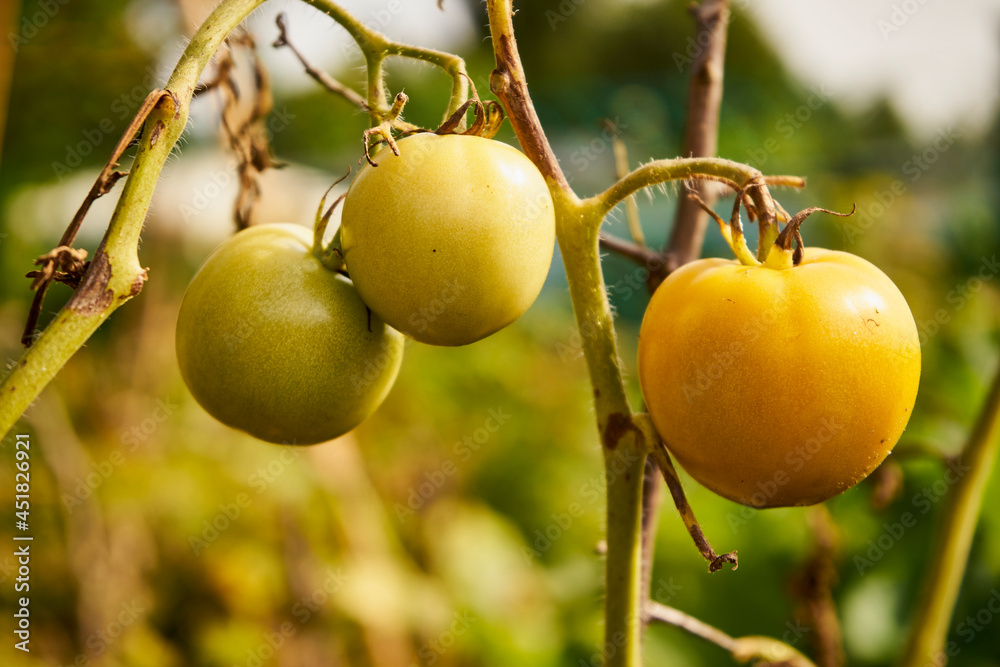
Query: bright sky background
x: 938, y: 61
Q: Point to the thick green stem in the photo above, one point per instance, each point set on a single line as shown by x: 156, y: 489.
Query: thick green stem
x: 115, y: 275
x: 376, y: 47
x: 577, y: 228
x: 929, y: 633
x: 625, y: 594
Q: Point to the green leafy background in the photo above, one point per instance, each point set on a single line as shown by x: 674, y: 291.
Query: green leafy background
x: 163, y: 538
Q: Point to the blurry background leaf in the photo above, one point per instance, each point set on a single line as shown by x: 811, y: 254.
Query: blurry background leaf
x: 433, y: 535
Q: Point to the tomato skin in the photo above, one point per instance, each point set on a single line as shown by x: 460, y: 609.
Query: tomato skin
x: 272, y: 343
x: 451, y: 240
x: 779, y: 387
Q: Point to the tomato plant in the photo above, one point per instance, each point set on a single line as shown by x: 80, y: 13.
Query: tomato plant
x: 451, y: 240
x: 779, y: 384
x: 271, y: 342
x: 780, y: 380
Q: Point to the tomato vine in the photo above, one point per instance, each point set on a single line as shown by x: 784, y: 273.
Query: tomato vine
x: 115, y: 275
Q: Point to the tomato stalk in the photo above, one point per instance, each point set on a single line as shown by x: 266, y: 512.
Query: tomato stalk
x: 376, y: 47
x: 115, y: 275
x: 929, y: 632
x: 578, y: 225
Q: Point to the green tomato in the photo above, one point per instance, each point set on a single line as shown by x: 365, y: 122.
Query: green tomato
x: 451, y: 240
x: 274, y: 344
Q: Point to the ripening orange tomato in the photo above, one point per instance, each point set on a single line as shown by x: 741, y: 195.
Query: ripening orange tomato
x: 779, y: 386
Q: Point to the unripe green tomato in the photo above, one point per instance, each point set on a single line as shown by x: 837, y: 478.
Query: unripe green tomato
x: 778, y: 387
x: 271, y: 342
x: 451, y: 240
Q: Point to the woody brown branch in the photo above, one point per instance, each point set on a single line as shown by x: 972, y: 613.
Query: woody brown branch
x: 702, y: 131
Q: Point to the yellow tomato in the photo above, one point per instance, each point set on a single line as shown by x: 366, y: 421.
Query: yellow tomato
x: 778, y: 387
x: 451, y: 240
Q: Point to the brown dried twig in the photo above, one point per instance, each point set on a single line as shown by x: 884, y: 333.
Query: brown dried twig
x: 658, y: 452
x: 318, y: 75
x: 247, y: 135
x: 106, y: 180
x: 814, y: 587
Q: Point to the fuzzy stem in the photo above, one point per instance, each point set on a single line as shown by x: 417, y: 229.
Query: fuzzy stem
x: 115, y: 275
x: 660, y: 171
x: 929, y: 631
x: 376, y: 47
x: 577, y: 230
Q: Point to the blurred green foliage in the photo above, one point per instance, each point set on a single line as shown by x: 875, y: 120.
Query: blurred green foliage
x: 163, y: 538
